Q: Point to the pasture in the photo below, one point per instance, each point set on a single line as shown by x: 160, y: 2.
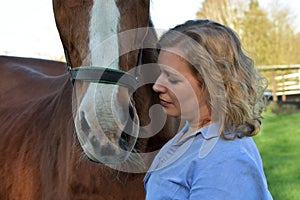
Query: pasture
x: 279, y: 145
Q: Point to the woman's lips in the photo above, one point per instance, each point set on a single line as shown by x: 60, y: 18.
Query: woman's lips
x: 164, y: 103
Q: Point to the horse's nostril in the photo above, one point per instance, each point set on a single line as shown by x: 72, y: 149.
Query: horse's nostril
x: 84, y: 124
x: 125, y: 141
x: 95, y: 143
x: 131, y: 112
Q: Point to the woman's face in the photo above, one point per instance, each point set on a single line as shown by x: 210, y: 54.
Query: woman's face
x: 179, y: 91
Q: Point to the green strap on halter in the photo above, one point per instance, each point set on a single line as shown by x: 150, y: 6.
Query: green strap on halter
x: 103, y: 75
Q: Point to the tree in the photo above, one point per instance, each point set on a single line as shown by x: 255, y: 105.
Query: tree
x: 224, y: 11
x: 268, y: 36
x: 296, y: 43
x: 256, y: 33
x: 284, y: 42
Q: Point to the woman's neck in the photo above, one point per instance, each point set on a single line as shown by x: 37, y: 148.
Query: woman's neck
x: 194, y: 126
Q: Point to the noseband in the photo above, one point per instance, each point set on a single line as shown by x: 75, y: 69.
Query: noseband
x: 105, y: 75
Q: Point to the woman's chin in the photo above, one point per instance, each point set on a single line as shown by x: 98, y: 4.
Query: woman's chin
x: 171, y: 112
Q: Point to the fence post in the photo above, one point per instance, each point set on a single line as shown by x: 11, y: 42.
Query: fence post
x: 283, y: 97
x: 274, y: 85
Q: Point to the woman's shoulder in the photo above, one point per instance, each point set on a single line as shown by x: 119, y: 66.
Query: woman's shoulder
x: 210, y: 142
x: 230, y: 164
x: 217, y: 154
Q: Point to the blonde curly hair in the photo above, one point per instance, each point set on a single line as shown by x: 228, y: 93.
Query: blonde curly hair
x: 232, y: 86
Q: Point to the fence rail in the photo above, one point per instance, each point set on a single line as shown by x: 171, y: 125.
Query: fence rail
x: 284, y: 80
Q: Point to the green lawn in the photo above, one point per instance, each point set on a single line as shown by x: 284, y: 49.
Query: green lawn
x: 279, y: 145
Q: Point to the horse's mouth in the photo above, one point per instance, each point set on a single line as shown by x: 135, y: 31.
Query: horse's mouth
x: 107, y: 131
x: 105, y: 154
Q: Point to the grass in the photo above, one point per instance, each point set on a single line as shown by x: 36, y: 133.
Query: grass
x: 279, y: 145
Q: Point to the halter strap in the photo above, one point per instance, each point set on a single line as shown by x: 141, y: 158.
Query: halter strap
x: 103, y: 75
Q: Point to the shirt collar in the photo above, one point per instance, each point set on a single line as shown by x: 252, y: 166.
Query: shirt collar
x: 211, y: 136
x: 210, y: 131
x: 207, y: 132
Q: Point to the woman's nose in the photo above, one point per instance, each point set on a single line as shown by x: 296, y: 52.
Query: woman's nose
x: 159, y: 86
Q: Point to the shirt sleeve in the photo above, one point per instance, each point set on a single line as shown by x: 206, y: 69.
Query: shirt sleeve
x: 234, y: 178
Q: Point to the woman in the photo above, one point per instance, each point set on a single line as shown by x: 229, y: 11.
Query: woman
x: 208, y: 81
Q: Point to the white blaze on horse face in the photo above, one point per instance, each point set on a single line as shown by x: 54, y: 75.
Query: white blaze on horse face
x: 101, y: 117
x: 104, y: 25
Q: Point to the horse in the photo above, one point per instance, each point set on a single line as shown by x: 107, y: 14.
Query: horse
x: 58, y: 140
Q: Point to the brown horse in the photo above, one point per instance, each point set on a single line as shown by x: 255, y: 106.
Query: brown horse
x: 41, y: 156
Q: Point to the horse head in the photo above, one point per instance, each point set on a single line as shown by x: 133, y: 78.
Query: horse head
x: 103, y: 42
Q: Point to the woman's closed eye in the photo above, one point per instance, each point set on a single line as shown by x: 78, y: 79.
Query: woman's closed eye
x: 171, y: 77
x: 173, y: 80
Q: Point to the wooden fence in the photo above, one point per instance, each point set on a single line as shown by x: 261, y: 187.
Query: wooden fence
x: 284, y: 80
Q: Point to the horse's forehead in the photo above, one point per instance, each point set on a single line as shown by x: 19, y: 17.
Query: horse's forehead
x: 76, y: 3
x: 133, y: 13
x: 85, y: 24
x: 74, y: 15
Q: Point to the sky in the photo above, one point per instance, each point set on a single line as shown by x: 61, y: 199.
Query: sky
x: 28, y: 27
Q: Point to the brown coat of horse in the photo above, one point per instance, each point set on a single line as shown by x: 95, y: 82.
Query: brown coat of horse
x: 40, y: 155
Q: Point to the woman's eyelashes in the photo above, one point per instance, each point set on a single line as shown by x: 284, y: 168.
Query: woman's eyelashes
x: 171, y: 77
x: 173, y: 80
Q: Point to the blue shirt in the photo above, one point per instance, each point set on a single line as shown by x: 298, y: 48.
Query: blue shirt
x: 204, y: 166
